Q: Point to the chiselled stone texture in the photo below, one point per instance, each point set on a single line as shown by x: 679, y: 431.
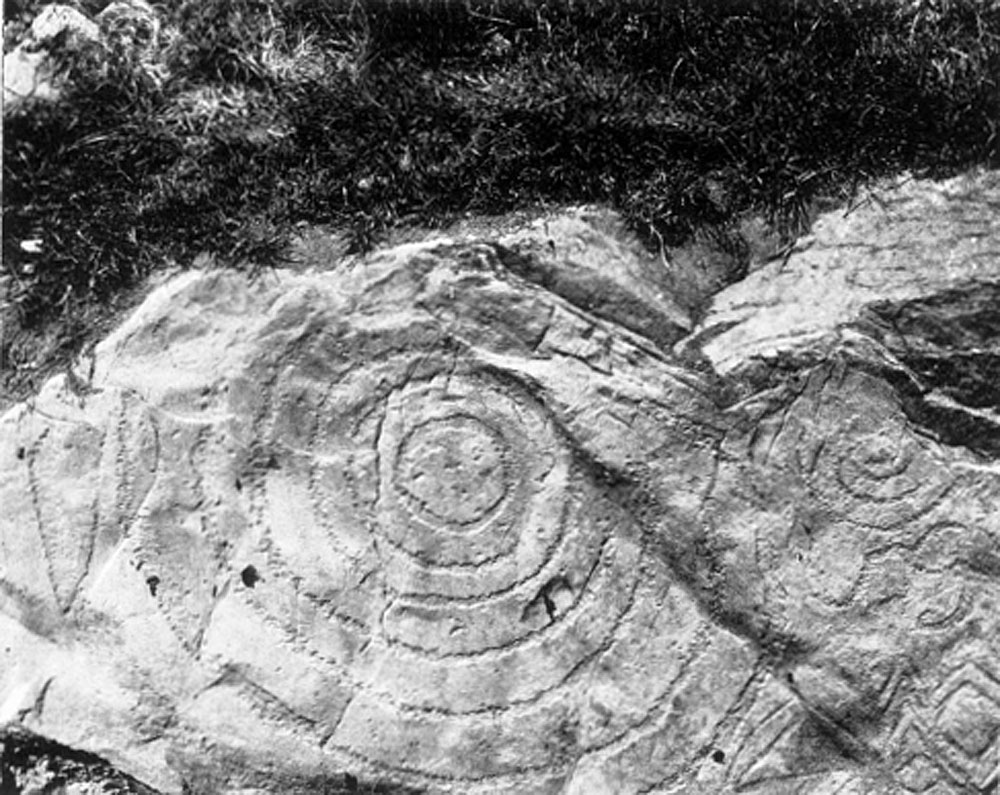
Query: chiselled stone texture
x: 420, y: 522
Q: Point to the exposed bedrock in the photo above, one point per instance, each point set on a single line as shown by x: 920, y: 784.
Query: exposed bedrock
x: 439, y: 520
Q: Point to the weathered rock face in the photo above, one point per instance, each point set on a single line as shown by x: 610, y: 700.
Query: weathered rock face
x: 35, y: 70
x: 420, y: 521
x: 903, y: 245
x: 29, y: 70
x: 600, y: 269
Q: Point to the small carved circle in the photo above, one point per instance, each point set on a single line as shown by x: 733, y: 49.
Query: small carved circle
x: 880, y: 458
x: 875, y: 467
x: 881, y: 478
x: 454, y: 468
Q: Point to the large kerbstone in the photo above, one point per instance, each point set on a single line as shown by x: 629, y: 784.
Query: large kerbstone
x: 420, y: 521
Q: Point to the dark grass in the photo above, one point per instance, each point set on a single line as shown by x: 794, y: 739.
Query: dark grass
x: 31, y: 756
x: 53, y: 767
x: 680, y: 114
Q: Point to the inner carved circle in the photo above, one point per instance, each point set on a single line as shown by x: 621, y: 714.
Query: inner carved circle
x: 455, y: 468
x: 881, y: 458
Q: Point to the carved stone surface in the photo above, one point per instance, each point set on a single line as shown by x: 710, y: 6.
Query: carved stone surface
x: 420, y: 522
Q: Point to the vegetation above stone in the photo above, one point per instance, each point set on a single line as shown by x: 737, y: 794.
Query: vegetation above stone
x: 246, y: 118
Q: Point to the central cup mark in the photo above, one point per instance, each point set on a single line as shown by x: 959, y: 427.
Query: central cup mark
x: 455, y: 468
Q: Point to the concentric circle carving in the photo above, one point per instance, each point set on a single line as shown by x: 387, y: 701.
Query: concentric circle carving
x: 470, y: 477
x: 879, y: 477
x: 453, y: 468
x: 427, y: 548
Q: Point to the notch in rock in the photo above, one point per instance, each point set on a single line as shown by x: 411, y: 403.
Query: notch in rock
x: 556, y: 597
x: 250, y: 576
